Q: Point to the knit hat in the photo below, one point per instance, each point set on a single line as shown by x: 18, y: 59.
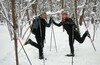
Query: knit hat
x: 64, y: 13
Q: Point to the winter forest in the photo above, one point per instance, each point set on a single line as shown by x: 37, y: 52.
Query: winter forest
x: 16, y: 17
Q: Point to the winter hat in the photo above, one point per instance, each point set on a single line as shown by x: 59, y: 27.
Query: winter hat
x: 64, y: 13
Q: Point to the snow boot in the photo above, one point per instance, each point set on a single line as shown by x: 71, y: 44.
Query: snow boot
x: 27, y: 42
x: 88, y: 34
x: 70, y: 55
x: 41, y: 57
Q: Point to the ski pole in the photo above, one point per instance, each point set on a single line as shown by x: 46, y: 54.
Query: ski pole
x: 54, y: 38
x: 51, y: 40
x: 72, y: 40
x: 25, y: 42
x: 72, y: 60
x: 41, y: 42
x: 25, y: 32
x: 90, y: 38
x: 52, y: 34
x: 25, y: 52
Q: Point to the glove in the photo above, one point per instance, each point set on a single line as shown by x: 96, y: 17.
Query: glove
x: 51, y: 19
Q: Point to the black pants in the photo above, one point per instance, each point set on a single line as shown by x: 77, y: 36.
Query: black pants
x: 39, y: 44
x: 75, y: 36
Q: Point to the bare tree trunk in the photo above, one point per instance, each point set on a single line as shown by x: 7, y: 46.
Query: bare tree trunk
x: 82, y: 16
x: 76, y: 19
x: 34, y: 8
x: 8, y: 24
x: 51, y: 5
x: 10, y: 30
x: 14, y: 26
x: 9, y: 27
x: 94, y: 10
x: 62, y: 2
x: 43, y: 5
x: 28, y: 18
x: 65, y: 4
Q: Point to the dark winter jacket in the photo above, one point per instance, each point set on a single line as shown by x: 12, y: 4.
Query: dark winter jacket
x: 67, y: 25
x: 41, y: 27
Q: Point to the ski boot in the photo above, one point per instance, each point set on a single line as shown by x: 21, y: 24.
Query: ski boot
x: 27, y: 42
x: 88, y: 34
x: 70, y: 55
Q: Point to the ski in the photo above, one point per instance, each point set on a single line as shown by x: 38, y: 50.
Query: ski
x: 44, y: 59
x: 25, y: 32
x: 24, y: 42
x: 80, y: 21
x: 25, y: 52
x: 82, y: 15
x: 90, y: 37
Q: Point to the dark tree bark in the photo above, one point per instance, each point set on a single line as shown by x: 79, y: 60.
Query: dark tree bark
x: 14, y: 26
x: 76, y: 19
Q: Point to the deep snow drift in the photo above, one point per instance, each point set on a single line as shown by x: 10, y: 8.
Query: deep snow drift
x: 84, y: 53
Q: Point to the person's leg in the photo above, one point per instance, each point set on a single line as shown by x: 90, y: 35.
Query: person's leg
x: 40, y: 52
x: 32, y: 43
x: 79, y: 38
x: 40, y: 45
x: 71, y: 44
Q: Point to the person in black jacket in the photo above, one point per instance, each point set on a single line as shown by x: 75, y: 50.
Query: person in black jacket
x: 71, y: 29
x: 40, y: 33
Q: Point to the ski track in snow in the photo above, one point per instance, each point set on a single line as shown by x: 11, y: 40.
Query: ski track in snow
x: 84, y: 53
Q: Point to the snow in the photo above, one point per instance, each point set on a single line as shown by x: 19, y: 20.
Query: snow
x: 58, y: 0
x: 25, y: 8
x: 6, y: 47
x: 84, y: 53
x: 92, y: 13
x: 28, y: 0
x: 81, y: 6
x: 5, y: 12
x: 53, y: 13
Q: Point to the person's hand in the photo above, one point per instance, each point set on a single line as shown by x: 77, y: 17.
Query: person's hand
x: 51, y: 19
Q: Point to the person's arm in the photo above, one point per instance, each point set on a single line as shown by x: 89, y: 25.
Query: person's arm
x: 57, y: 24
x: 52, y: 21
x: 33, y: 27
x: 48, y: 24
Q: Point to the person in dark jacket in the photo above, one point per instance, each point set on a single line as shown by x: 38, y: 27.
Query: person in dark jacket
x: 71, y: 29
x: 40, y: 34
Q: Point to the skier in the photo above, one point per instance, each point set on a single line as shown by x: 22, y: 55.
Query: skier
x: 71, y: 29
x: 38, y: 26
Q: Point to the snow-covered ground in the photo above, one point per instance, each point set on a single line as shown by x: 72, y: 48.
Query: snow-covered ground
x: 84, y: 53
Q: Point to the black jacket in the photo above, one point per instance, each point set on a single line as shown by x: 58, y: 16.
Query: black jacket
x: 40, y: 31
x: 67, y: 25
